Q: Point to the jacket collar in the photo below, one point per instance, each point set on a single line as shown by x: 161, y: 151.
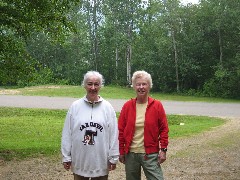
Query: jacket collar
x: 150, y: 101
x: 95, y: 102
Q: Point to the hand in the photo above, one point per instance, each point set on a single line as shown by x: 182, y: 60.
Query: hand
x: 162, y: 157
x: 111, y: 166
x: 122, y: 159
x: 67, y: 165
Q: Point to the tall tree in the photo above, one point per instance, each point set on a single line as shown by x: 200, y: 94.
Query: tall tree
x: 93, y: 10
x: 173, y: 22
x: 19, y: 19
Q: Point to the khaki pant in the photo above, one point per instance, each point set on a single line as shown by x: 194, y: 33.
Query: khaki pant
x: 78, y: 177
x: 149, y: 164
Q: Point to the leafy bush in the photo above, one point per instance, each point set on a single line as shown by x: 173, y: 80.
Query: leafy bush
x: 225, y: 83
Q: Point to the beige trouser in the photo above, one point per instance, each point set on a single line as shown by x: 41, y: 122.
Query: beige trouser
x: 78, y: 177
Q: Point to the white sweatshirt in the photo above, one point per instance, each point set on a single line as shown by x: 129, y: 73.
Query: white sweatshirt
x: 90, y: 137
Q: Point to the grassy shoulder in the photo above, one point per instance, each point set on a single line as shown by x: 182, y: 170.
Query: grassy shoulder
x: 36, y: 132
x: 108, y: 92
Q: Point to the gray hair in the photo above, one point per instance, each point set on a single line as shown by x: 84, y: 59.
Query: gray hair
x: 143, y: 74
x: 92, y: 73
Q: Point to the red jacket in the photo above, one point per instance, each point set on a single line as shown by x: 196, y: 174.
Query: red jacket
x: 155, y: 126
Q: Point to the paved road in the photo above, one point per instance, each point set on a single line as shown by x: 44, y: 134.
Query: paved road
x: 171, y: 107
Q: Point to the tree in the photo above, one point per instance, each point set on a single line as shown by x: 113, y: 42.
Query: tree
x: 173, y: 22
x: 23, y: 17
x: 19, y: 18
x: 225, y: 78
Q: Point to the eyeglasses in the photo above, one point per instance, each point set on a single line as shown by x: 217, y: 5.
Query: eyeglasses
x: 141, y: 84
x: 90, y: 84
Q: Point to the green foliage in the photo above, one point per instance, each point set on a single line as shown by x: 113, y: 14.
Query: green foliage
x: 18, y: 20
x: 15, y: 64
x: 190, y: 49
x: 36, y: 132
x: 24, y: 17
x: 44, y: 76
x: 225, y: 83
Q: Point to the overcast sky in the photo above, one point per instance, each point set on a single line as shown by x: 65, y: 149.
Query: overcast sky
x: 189, y: 1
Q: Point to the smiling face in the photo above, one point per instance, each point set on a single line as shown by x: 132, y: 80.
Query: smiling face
x: 141, y: 87
x: 92, y: 87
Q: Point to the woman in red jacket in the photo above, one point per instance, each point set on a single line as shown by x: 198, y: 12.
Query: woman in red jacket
x: 143, y: 132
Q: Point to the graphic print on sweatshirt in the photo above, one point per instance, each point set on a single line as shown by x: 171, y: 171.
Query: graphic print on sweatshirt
x: 90, y: 132
x: 89, y: 137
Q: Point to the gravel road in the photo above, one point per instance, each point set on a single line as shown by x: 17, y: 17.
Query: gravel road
x: 171, y: 107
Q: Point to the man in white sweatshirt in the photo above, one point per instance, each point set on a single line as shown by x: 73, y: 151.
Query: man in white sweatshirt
x: 90, y: 145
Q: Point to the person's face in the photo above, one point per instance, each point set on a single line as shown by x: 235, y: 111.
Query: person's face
x: 141, y: 87
x: 92, y: 87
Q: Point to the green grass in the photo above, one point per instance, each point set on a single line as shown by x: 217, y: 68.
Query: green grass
x: 192, y: 125
x: 108, y: 92
x: 29, y: 132
x: 75, y: 91
x: 36, y: 132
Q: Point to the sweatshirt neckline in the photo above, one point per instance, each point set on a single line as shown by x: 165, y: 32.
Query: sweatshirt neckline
x: 100, y: 99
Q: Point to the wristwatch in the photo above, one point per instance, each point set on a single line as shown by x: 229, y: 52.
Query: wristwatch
x: 164, y: 149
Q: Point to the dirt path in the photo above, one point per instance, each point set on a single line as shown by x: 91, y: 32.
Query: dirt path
x: 212, y: 155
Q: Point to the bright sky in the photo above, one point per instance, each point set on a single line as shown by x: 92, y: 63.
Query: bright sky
x: 189, y: 1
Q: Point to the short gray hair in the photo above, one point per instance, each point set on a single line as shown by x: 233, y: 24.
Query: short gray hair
x: 144, y: 74
x: 92, y: 73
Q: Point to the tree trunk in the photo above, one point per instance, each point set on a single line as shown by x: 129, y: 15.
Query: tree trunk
x: 129, y: 52
x: 220, y: 47
x: 116, y: 65
x: 175, y: 58
x: 95, y: 24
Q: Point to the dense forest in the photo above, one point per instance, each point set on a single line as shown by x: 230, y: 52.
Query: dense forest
x: 191, y: 49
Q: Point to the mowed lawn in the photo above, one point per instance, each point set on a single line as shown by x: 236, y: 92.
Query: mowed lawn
x: 37, y: 132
